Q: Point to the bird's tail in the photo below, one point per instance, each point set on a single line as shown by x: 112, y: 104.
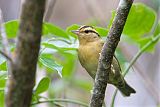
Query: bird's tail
x: 126, y: 90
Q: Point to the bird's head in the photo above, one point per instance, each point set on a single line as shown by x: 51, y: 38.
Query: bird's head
x: 86, y: 34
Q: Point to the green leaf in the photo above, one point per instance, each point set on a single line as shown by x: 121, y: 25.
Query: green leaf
x: 3, y: 76
x: 51, y: 46
x: 61, y: 49
x: 12, y: 28
x: 48, y: 62
x: 66, y: 59
x: 3, y: 84
x: 3, y: 66
x: 69, y: 65
x: 70, y: 28
x: 144, y: 41
x: 42, y: 85
x: 34, y: 97
x: 157, y: 30
x: 50, y: 29
x: 139, y: 22
x: 111, y: 20
x: 82, y: 83
x: 101, y: 31
x: 2, y: 100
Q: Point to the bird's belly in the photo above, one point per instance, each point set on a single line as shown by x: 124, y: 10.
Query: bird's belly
x: 91, y: 69
x: 91, y: 65
x: 89, y: 60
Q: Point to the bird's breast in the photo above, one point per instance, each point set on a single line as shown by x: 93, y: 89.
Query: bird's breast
x: 89, y: 56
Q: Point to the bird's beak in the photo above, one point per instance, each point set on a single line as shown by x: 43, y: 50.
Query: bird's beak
x: 75, y: 32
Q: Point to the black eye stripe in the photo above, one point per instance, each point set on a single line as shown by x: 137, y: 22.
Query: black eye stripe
x: 85, y: 27
x: 90, y: 31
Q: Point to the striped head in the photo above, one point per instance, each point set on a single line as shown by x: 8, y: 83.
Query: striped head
x: 86, y: 34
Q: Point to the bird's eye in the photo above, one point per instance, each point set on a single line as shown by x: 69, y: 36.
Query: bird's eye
x: 86, y: 31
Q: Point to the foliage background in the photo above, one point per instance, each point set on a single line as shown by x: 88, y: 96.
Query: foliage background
x: 75, y: 82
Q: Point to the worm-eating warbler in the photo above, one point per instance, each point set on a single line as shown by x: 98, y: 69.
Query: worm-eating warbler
x: 90, y: 45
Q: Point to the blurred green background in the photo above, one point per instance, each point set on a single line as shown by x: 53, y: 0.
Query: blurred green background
x: 59, y: 73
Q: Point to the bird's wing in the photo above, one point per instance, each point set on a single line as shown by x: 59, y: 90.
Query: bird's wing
x: 115, y: 60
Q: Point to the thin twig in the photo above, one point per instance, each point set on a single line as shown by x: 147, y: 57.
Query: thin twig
x: 49, y: 10
x: 5, y: 55
x: 140, y: 53
x: 59, y: 39
x: 47, y: 101
x: 146, y: 80
x: 108, y: 52
x: 134, y: 59
x: 6, y: 51
x: 58, y: 105
x: 113, y: 98
x: 5, y: 43
x: 155, y: 24
x: 61, y: 100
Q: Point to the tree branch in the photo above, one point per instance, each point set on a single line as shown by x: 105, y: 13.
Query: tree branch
x: 108, y: 52
x: 6, y: 52
x: 23, y: 68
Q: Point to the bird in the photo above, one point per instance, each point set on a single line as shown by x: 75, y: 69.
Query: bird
x: 90, y: 45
